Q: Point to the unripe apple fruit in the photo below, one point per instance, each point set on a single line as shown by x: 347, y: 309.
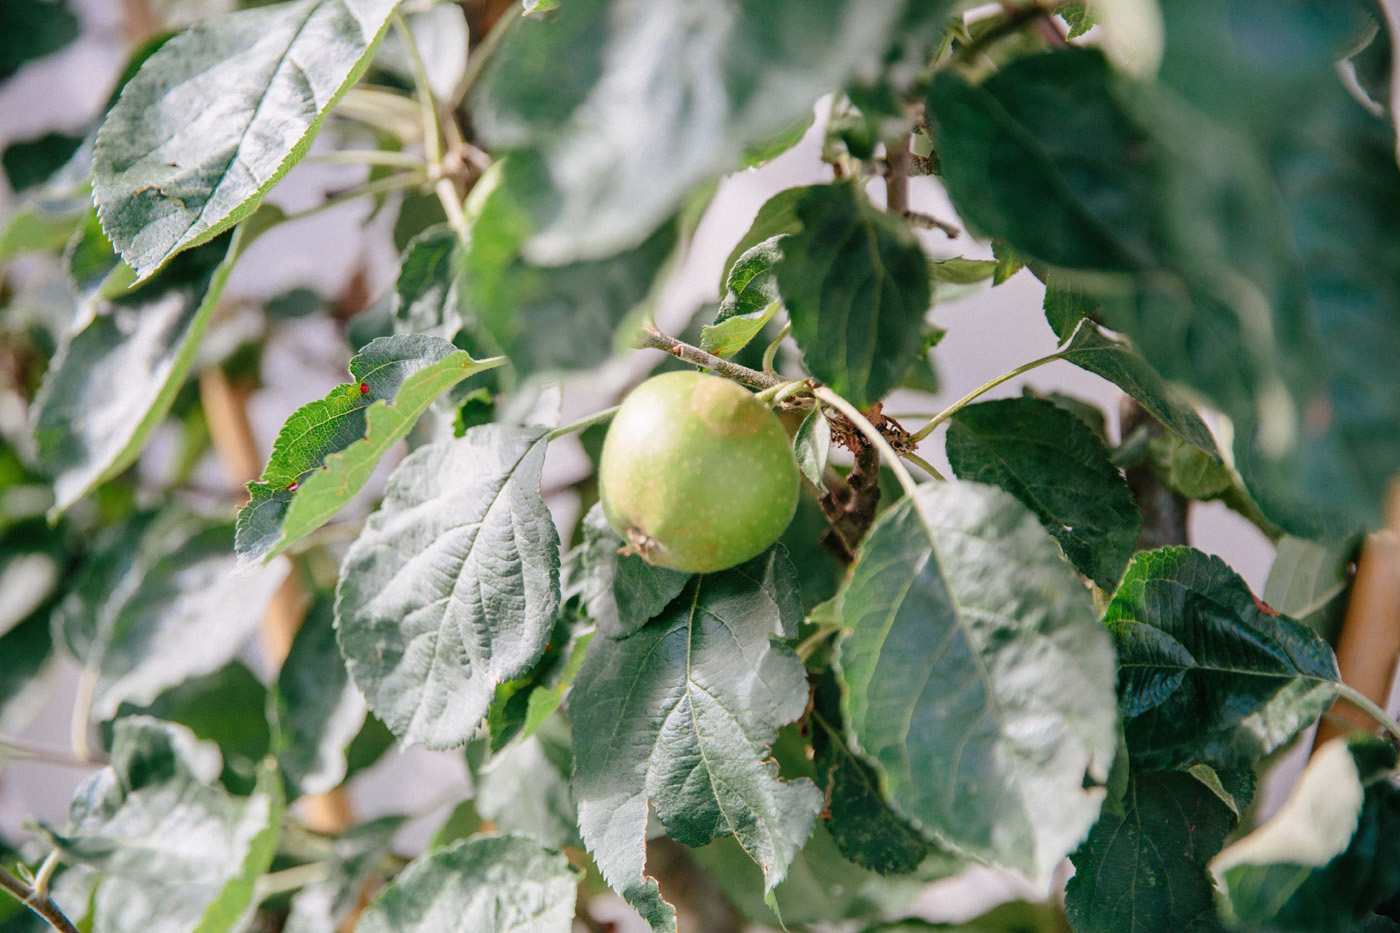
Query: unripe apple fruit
x: 697, y: 474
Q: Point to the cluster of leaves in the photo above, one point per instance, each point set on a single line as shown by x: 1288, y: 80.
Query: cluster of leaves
x: 994, y: 670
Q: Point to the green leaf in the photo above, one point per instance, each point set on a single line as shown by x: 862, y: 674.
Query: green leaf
x: 670, y: 715
x: 777, y: 216
x: 120, y: 367
x: 1053, y: 463
x: 811, y: 445
x: 526, y: 790
x: 1186, y: 470
x: 356, y: 856
x: 977, y: 679
x: 1090, y: 348
x: 750, y: 301
x: 544, y: 318
x: 315, y: 709
x: 960, y: 271
x: 1206, y: 675
x: 31, y: 162
x: 219, y: 114
x: 327, y: 449
x: 1143, y: 867
x: 490, y: 884
x: 177, y: 852
x: 1306, y: 580
x: 575, y: 91
x: 1328, y: 857
x: 856, y: 286
x: 453, y: 586
x: 31, y: 29
x: 865, y: 827
x: 621, y: 592
x: 158, y: 601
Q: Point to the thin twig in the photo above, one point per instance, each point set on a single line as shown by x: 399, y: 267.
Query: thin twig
x: 21, y: 750
x: 652, y: 338
x: 929, y: 222
x: 898, y: 158
x: 41, y: 904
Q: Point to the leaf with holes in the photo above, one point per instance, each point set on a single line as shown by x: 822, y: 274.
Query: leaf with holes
x: 327, y: 449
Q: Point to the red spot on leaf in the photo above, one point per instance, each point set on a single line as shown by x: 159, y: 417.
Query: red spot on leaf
x: 292, y: 486
x: 1265, y: 607
x: 364, y: 388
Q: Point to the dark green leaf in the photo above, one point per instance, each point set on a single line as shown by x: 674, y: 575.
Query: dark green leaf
x: 865, y: 827
x: 176, y: 851
x: 621, y: 592
x: 733, y: 76
x: 668, y: 716
x: 119, y: 369
x: 219, y: 114
x: 1040, y: 157
x: 30, y: 162
x: 1143, y: 867
x: 31, y: 29
x: 856, y: 286
x: 453, y: 586
x: 750, y: 300
x: 159, y: 601
x: 977, y: 677
x: 486, y: 884
x: 1205, y: 674
x: 1327, y: 858
x: 316, y: 711
x: 27, y: 650
x: 1053, y: 463
x: 327, y: 449
x: 1090, y: 348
